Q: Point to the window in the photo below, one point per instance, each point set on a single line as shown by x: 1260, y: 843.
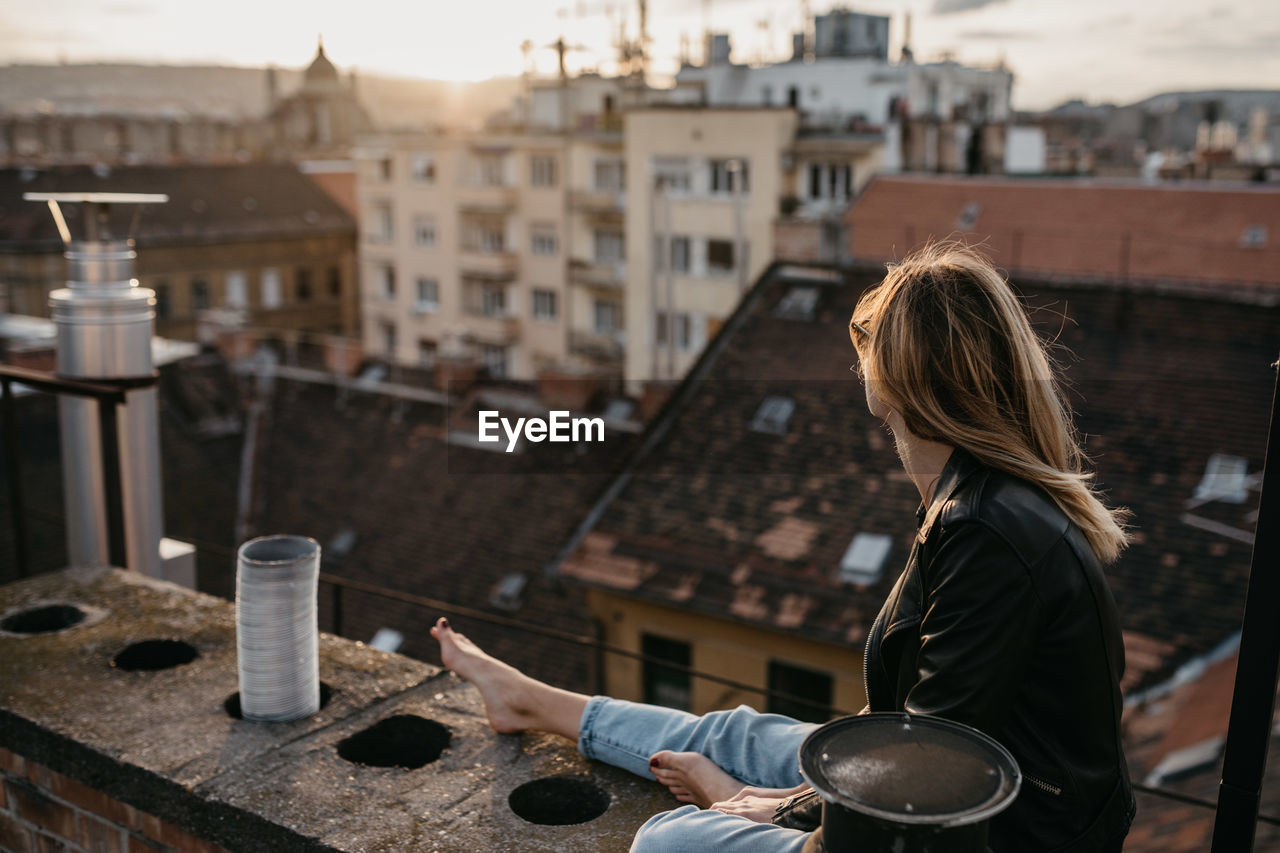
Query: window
x: 832, y: 181
x: 388, y: 275
x: 683, y: 330
x: 384, y: 169
x: 428, y: 295
x: 237, y: 289
x: 495, y: 360
x: 491, y: 170
x: 383, y: 222
x: 811, y: 691
x: 544, y: 305
x: 199, y: 294
x: 426, y: 352
x: 484, y: 234
x: 424, y: 230
x: 725, y: 175
x: 664, y: 685
x: 609, y: 246
x: 389, y: 339
x: 609, y: 176
x: 798, y: 304
x: 302, y: 284
x: 606, y: 317
x: 334, y: 278
x: 486, y: 299
x: 164, y: 300
x: 793, y: 97
x: 864, y: 559
x: 542, y: 170
x: 773, y: 414
x: 544, y: 241
x: 423, y: 168
x: 271, y: 291
x: 720, y: 255
x: 680, y: 254
x: 673, y: 174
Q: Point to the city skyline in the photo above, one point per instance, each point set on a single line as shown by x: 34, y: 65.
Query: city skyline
x: 1094, y: 49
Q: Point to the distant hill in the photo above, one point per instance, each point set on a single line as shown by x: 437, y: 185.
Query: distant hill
x: 393, y: 102
x: 1236, y: 104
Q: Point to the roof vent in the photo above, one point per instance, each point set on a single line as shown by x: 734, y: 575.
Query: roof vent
x: 1225, y: 479
x: 798, y: 304
x: 1187, y: 761
x: 864, y: 559
x: 969, y: 216
x: 508, y: 593
x: 773, y: 414
x: 1254, y: 237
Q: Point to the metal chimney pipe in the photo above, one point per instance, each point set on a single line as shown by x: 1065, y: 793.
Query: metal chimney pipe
x: 104, y: 323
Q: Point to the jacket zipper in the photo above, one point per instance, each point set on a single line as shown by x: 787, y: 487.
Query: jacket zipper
x: 1042, y: 785
x: 866, y: 660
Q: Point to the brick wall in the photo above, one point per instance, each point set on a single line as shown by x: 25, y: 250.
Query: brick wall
x: 42, y: 811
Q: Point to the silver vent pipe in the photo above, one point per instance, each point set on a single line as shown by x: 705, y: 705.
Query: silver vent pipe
x: 104, y: 323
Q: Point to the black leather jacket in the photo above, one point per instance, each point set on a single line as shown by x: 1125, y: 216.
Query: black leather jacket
x: 1003, y: 620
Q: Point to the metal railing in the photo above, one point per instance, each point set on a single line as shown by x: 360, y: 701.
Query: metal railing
x: 109, y: 395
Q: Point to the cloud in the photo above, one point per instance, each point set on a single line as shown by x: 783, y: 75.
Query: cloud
x: 1000, y: 35
x: 950, y: 7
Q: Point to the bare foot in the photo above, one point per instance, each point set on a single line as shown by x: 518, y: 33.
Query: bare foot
x: 507, y: 692
x: 693, y: 778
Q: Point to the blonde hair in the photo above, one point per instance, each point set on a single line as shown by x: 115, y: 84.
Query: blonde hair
x: 951, y: 349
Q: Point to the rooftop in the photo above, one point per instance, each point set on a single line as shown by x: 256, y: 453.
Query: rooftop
x: 724, y: 518
x: 207, y: 204
x: 1076, y: 230
x: 106, y: 755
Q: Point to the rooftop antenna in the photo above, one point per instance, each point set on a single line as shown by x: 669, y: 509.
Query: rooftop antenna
x: 104, y: 324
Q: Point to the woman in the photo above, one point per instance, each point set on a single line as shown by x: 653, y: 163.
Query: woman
x: 1001, y: 620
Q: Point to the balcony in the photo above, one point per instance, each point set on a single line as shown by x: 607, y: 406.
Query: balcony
x: 476, y: 197
x: 601, y: 274
x: 497, y: 265
x: 596, y: 346
x: 598, y: 201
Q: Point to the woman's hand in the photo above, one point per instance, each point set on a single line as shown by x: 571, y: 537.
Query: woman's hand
x: 757, y: 804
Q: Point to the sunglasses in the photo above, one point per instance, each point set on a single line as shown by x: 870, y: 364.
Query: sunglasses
x: 855, y: 326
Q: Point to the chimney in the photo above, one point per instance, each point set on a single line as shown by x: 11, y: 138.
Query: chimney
x: 104, y: 325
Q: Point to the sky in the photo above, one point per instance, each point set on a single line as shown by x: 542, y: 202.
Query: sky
x: 1098, y: 50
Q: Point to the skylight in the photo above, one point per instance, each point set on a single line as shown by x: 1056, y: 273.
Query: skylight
x: 969, y: 216
x: 508, y: 593
x: 864, y: 559
x: 387, y: 640
x: 773, y: 415
x: 1254, y: 237
x: 1225, y: 479
x: 798, y: 304
x: 1187, y: 761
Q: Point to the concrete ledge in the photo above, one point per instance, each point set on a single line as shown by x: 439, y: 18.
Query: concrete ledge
x: 162, y: 741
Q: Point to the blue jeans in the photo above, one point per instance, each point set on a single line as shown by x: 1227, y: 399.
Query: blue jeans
x: 761, y: 750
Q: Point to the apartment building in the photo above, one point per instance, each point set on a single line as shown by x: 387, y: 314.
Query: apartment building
x: 505, y: 246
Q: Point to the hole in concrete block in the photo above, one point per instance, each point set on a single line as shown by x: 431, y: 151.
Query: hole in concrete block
x: 43, y: 620
x: 232, y: 705
x: 404, y: 740
x: 559, y: 800
x: 151, y: 655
